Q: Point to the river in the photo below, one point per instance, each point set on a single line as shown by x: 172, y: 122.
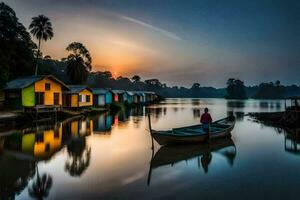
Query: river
x: 109, y: 156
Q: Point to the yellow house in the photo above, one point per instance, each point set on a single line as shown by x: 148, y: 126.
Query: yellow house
x: 78, y: 96
x: 31, y: 91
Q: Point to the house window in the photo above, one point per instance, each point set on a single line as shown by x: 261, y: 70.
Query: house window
x: 80, y: 98
x: 47, y: 86
x: 39, y: 98
x: 88, y: 98
x: 13, y: 95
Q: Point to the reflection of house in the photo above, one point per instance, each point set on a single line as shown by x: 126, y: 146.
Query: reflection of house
x: 31, y: 91
x: 78, y: 96
x: 81, y: 127
x: 47, y: 144
x: 1, y: 145
x: 44, y: 144
x: 41, y: 145
x: 101, y: 97
x: 118, y: 95
x: 103, y: 123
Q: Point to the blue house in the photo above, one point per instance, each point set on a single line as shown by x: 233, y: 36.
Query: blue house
x: 102, y: 97
x: 119, y: 95
x: 129, y: 97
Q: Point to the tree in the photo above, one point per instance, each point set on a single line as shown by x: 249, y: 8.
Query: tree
x: 47, y: 57
x: 79, y: 155
x: 16, y: 46
x: 270, y: 91
x: 41, y: 28
x: 79, y: 63
x: 195, y: 86
x: 235, y: 89
x: 136, y: 78
x: 41, y: 186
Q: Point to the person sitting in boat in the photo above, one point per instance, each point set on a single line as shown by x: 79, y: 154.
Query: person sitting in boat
x: 206, y: 119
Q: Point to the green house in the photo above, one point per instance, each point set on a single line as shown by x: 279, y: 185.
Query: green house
x: 31, y: 91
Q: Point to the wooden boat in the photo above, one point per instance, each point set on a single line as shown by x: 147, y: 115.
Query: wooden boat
x: 194, y: 134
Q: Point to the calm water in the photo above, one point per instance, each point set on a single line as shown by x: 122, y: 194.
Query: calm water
x: 110, y: 157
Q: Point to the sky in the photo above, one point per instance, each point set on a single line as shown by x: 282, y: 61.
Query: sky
x: 180, y: 42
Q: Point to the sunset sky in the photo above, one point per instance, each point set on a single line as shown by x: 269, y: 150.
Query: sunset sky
x: 179, y: 42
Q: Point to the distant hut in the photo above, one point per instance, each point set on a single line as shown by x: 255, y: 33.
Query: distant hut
x: 137, y: 97
x: 78, y: 96
x: 129, y: 97
x: 294, y: 103
x: 118, y: 96
x: 149, y: 96
x: 102, y: 97
x: 34, y: 91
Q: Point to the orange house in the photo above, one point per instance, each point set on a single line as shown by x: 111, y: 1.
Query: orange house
x: 78, y: 96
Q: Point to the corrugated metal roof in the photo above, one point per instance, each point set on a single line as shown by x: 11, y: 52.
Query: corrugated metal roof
x: 130, y: 93
x: 25, y: 81
x: 22, y: 82
x: 77, y: 88
x: 118, y: 91
x: 99, y: 91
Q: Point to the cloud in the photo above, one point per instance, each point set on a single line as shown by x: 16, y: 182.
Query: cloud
x: 162, y: 31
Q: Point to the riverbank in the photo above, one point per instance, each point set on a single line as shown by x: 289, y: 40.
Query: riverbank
x: 11, y: 119
x: 278, y: 119
x: 18, y: 119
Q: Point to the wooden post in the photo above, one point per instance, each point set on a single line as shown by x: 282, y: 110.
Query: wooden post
x: 149, y: 120
x: 285, y: 104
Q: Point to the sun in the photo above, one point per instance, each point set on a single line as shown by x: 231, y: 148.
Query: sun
x: 115, y: 74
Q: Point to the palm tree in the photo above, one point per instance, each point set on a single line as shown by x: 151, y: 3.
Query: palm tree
x: 41, y: 186
x: 79, y: 155
x: 41, y: 28
x: 79, y: 63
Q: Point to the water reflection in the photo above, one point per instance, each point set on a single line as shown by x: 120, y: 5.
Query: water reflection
x: 170, y: 155
x: 22, y: 151
x: 79, y: 156
x: 40, y: 187
x: 107, y: 156
x: 14, y: 175
x: 196, y: 113
x: 292, y: 141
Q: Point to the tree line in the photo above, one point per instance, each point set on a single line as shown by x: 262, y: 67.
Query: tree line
x: 270, y: 90
x: 20, y: 56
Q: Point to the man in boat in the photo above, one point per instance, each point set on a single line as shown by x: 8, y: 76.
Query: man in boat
x: 206, y: 120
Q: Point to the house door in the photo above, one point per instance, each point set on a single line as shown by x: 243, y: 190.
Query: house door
x: 39, y: 98
x: 56, y: 98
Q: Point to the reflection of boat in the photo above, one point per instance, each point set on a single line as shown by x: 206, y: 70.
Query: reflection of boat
x: 170, y: 155
x: 194, y: 134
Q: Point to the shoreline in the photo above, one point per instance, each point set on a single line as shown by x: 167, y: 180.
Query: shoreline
x: 278, y: 119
